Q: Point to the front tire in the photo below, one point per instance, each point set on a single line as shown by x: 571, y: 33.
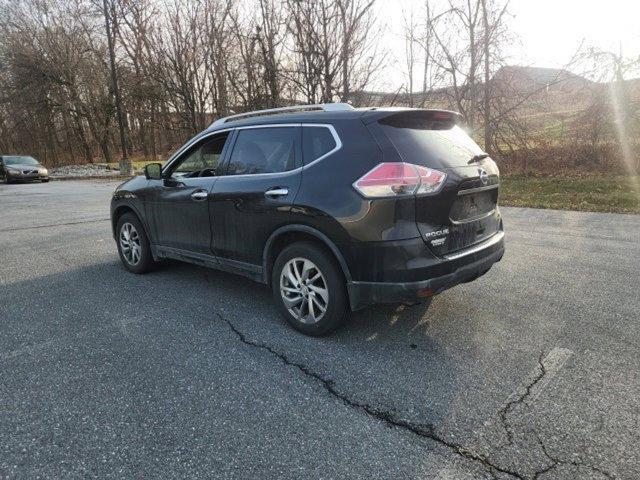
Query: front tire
x: 133, y: 244
x: 309, y: 289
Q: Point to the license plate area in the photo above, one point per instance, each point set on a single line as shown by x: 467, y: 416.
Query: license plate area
x: 465, y: 234
x: 473, y: 206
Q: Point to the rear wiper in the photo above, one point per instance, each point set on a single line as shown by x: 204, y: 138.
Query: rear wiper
x: 477, y: 158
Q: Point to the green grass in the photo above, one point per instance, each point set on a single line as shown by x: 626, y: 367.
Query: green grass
x: 591, y: 193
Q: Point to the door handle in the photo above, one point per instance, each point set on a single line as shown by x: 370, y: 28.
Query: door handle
x: 199, y: 195
x: 276, y: 192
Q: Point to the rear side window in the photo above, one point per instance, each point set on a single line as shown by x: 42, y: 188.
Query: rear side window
x: 422, y: 141
x: 263, y: 150
x: 316, y: 142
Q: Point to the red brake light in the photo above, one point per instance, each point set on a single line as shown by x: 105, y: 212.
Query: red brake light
x: 442, y: 116
x: 399, y: 178
x: 426, y: 292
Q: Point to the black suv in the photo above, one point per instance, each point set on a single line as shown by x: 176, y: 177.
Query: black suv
x: 333, y: 207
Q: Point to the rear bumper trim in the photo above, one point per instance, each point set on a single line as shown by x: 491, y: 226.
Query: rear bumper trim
x: 474, y: 219
x: 478, y: 189
x: 362, y: 294
x: 476, y: 248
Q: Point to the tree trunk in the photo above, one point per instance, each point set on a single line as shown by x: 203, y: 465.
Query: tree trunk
x: 125, y: 163
x: 152, y: 132
x: 488, y: 147
x: 472, y: 77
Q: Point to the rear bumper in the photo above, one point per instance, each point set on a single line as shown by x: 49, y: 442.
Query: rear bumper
x: 462, y: 267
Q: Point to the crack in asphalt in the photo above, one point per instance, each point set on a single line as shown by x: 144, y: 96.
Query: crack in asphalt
x: 428, y: 431
x: 555, y: 462
x: 504, y: 411
x: 52, y: 225
x: 422, y: 430
x: 522, y: 397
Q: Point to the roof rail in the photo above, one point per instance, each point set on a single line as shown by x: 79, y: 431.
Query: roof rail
x: 327, y: 107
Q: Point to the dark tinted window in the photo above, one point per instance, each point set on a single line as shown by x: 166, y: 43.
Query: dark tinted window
x: 263, y: 150
x: 423, y: 141
x: 316, y: 142
x: 203, y: 159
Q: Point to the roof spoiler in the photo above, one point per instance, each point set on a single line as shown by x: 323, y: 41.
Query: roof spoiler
x: 374, y: 115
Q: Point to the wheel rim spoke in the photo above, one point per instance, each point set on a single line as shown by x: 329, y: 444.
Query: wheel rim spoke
x: 322, y: 292
x: 296, y: 266
x: 291, y: 275
x: 292, y: 302
x: 312, y: 312
x: 315, y: 277
x: 321, y: 307
x: 307, y: 267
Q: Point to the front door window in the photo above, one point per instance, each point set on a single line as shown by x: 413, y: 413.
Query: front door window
x: 202, y: 160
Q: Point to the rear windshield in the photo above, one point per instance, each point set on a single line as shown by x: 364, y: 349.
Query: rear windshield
x: 19, y: 160
x: 435, y: 144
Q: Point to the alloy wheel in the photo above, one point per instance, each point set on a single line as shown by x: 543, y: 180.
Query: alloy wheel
x: 130, y: 244
x: 304, y: 290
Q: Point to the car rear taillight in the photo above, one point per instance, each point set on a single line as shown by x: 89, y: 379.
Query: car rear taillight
x: 430, y: 180
x: 398, y: 179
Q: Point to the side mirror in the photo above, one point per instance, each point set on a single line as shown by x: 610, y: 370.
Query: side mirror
x: 153, y: 171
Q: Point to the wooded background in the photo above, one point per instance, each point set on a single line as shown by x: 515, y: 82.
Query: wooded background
x: 182, y: 63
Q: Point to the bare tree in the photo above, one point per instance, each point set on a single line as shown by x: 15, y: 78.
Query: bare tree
x: 270, y: 37
x: 109, y: 17
x: 612, y: 68
x: 487, y: 78
x: 410, y: 43
x: 333, y: 55
x: 359, y: 52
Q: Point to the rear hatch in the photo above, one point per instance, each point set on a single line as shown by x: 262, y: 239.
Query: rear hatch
x: 464, y: 212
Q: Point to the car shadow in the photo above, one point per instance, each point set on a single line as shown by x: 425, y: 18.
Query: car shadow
x: 384, y: 356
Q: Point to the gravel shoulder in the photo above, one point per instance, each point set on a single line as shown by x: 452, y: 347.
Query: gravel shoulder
x: 90, y: 170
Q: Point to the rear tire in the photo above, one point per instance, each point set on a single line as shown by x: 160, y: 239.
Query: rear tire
x: 309, y: 289
x: 133, y: 244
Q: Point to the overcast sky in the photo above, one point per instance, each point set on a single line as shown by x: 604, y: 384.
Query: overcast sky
x: 548, y: 31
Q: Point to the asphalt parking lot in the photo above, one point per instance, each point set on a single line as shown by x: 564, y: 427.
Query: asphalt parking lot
x: 533, y: 371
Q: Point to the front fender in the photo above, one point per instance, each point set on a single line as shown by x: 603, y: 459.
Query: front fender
x: 127, y: 197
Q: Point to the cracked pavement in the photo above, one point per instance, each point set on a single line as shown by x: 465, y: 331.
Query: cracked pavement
x: 531, y: 372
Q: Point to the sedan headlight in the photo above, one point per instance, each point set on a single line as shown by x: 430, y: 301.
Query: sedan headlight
x: 13, y: 171
x: 43, y: 171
